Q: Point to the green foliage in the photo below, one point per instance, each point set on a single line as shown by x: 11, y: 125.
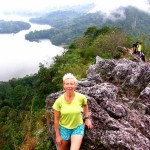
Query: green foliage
x: 108, y: 43
x: 22, y: 101
x: 93, y: 31
x: 9, y: 127
x: 38, y: 103
x: 13, y: 26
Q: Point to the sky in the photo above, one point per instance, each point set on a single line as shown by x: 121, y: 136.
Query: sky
x: 36, y: 5
x: 39, y: 5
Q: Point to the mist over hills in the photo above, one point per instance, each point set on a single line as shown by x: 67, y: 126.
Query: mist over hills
x: 70, y: 24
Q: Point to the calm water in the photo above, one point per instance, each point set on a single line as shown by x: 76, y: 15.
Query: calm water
x: 19, y: 57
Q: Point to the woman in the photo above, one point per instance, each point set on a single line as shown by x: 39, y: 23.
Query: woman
x: 68, y: 122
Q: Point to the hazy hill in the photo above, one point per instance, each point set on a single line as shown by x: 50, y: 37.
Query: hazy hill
x: 64, y: 15
x: 68, y: 25
x: 132, y: 20
x: 13, y: 26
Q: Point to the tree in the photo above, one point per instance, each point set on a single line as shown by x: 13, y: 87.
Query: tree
x: 106, y: 44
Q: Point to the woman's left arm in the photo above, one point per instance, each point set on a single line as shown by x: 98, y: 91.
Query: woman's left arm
x: 87, y: 119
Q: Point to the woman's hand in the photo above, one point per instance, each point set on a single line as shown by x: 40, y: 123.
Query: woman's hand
x: 58, y: 140
x: 88, y: 123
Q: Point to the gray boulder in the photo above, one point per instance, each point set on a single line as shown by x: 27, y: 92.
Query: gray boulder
x: 118, y: 93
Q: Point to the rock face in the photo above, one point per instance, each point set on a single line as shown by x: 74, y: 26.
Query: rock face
x: 118, y: 93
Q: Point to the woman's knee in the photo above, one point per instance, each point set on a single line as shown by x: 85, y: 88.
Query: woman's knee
x: 64, y: 145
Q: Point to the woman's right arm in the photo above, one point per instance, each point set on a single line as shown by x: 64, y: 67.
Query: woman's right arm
x: 56, y: 126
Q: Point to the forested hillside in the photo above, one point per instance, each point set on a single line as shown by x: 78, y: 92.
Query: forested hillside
x: 22, y: 101
x: 68, y: 25
x: 13, y: 26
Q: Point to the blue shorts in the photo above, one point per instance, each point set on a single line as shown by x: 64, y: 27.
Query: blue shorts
x: 67, y: 133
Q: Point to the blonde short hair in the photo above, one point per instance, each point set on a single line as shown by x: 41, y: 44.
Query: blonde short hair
x: 69, y: 76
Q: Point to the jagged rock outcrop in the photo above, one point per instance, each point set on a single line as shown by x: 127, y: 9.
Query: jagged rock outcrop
x: 118, y: 93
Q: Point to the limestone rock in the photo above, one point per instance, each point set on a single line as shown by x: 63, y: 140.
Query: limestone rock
x: 118, y: 93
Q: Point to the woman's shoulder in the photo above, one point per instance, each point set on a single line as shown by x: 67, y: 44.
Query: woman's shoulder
x: 60, y: 98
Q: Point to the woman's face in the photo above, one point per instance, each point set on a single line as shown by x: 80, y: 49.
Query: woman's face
x: 69, y: 85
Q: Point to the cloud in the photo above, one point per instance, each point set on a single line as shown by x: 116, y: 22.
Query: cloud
x: 108, y: 6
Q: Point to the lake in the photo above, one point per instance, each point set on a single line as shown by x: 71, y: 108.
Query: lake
x: 19, y: 57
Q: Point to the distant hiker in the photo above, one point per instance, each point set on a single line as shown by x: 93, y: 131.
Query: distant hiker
x: 134, y: 48
x: 142, y: 56
x: 139, y: 47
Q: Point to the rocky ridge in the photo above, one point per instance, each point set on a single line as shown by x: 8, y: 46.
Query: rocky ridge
x: 118, y: 93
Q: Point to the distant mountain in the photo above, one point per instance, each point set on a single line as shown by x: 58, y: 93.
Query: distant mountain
x: 68, y: 25
x: 63, y: 16
x: 132, y: 20
x: 13, y: 26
